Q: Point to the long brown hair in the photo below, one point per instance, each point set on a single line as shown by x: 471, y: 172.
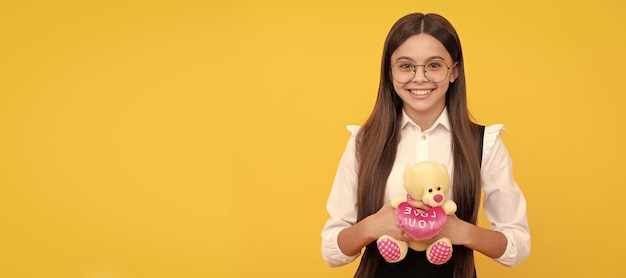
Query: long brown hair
x: 377, y: 141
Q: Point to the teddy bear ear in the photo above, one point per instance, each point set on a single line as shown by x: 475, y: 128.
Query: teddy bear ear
x: 407, y: 172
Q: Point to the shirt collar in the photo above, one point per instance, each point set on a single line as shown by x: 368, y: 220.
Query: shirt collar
x: 442, y: 120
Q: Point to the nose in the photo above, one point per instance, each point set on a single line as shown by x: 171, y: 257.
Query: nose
x: 438, y: 198
x: 420, y: 75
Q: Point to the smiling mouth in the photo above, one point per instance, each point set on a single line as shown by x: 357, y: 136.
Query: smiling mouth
x: 421, y: 92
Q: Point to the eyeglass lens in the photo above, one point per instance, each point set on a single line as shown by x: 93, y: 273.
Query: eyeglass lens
x: 404, y: 71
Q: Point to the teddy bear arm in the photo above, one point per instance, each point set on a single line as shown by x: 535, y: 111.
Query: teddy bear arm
x: 449, y: 207
x: 395, y: 201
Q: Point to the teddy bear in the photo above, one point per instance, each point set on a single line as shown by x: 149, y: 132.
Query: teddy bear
x: 429, y: 182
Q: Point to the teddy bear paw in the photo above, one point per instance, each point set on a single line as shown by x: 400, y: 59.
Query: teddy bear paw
x: 390, y: 250
x: 439, y: 252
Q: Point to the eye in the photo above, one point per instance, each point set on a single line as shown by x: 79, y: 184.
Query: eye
x: 430, y: 190
x: 405, y: 66
x: 435, y: 65
x: 439, y: 188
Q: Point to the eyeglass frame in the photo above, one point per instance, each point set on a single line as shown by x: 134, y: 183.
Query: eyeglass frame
x: 425, y: 71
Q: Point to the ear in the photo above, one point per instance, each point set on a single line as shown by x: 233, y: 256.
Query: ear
x: 454, y: 72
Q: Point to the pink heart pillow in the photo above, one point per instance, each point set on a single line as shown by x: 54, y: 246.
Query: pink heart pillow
x: 420, y: 226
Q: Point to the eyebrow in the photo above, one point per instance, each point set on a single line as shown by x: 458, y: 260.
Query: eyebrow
x: 427, y: 59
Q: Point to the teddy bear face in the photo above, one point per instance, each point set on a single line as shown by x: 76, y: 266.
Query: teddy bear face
x: 434, y: 195
x: 427, y: 181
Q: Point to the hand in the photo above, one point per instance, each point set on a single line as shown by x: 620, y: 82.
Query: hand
x: 385, y: 222
x: 419, y: 205
x: 455, y: 229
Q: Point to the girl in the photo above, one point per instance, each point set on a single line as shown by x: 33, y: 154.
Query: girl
x: 421, y: 114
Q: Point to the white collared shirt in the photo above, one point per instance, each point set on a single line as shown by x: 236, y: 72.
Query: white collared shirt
x: 504, y: 203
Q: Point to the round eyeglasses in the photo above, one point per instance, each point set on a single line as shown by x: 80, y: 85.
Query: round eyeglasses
x: 434, y: 70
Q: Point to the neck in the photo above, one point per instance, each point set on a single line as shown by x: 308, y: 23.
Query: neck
x: 425, y: 119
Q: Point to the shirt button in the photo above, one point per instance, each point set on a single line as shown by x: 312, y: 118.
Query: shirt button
x: 423, y: 137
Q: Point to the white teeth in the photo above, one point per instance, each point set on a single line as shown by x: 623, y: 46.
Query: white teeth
x: 419, y: 92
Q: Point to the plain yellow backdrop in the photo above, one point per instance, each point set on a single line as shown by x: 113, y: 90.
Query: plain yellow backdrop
x: 200, y: 138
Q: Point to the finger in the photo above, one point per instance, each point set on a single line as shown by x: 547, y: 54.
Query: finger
x: 419, y: 205
x: 406, y: 237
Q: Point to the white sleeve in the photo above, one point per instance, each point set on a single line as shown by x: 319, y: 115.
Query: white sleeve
x: 504, y: 202
x: 341, y: 205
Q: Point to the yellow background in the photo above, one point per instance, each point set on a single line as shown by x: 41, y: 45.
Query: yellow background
x: 200, y: 139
